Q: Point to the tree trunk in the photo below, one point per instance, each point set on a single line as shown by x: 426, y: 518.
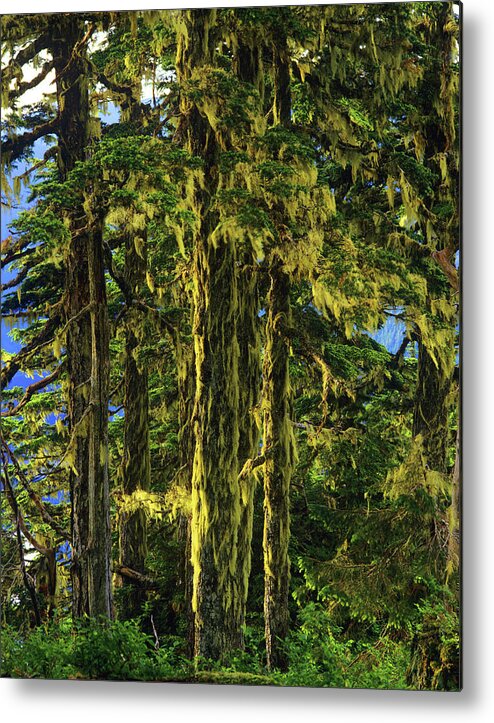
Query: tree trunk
x: 136, y: 463
x: 186, y: 445
x: 428, y: 656
x: 279, y: 444
x: 279, y: 441
x: 430, y: 417
x: 249, y: 433
x: 215, y: 488
x: 86, y: 340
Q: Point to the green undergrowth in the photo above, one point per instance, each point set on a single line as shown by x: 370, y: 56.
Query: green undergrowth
x: 121, y: 651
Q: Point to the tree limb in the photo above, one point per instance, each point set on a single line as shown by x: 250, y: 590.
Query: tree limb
x: 28, y: 53
x: 45, y: 515
x: 135, y: 576
x: 16, y: 280
x: 42, y: 339
x: 24, y: 87
x: 32, y: 389
x: 14, y: 147
x: 443, y: 258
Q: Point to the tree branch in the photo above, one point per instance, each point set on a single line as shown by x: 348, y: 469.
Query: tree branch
x: 443, y: 258
x: 135, y: 576
x: 24, y: 87
x: 251, y: 464
x: 16, y: 280
x: 45, y: 515
x: 14, y: 147
x: 42, y: 339
x: 32, y: 389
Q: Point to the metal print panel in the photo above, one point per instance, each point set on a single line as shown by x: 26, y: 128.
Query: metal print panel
x: 230, y: 420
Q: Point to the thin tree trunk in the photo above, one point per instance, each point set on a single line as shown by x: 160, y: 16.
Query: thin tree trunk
x: 86, y: 340
x: 186, y: 443
x: 278, y: 468
x: 136, y: 463
x: 278, y: 434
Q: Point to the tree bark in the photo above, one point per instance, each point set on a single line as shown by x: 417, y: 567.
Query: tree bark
x: 278, y: 468
x: 87, y: 345
x: 136, y: 463
x: 278, y: 433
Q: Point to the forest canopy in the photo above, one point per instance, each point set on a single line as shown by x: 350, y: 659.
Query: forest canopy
x: 230, y: 435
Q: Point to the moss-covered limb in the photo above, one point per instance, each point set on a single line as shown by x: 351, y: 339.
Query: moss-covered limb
x: 45, y: 336
x: 32, y: 389
x: 136, y: 464
x: 13, y: 148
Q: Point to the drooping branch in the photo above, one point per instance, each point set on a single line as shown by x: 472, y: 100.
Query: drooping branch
x: 16, y: 280
x: 42, y: 339
x: 7, y: 453
x: 13, y: 148
x: 28, y: 581
x: 20, y: 522
x: 50, y: 153
x: 24, y: 87
x: 29, y: 52
x: 16, y: 251
x: 31, y: 390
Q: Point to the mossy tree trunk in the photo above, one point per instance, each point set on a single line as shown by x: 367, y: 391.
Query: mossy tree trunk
x: 136, y: 463
x: 280, y: 451
x: 249, y: 69
x: 184, y: 354
x: 87, y: 348
x: 278, y: 440
x: 215, y: 488
x: 430, y: 416
x: 431, y: 667
x: 249, y: 433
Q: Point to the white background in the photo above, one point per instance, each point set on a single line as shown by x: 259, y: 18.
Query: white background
x: 122, y: 702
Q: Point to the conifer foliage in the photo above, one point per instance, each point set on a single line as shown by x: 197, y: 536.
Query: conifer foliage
x: 208, y: 458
